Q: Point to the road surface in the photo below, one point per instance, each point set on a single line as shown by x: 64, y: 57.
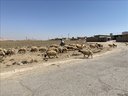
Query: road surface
x: 106, y: 75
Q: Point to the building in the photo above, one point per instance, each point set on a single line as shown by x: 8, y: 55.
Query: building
x: 125, y: 33
x: 99, y: 38
x: 121, y: 38
x: 81, y: 38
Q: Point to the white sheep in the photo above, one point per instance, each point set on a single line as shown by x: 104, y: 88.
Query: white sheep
x: 34, y: 49
x: 42, y: 49
x: 22, y: 50
x: 54, y: 45
x: 10, y: 52
x: 2, y: 53
x: 51, y: 53
x: 86, y: 52
x: 53, y: 48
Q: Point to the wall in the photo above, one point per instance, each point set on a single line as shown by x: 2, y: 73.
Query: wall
x: 122, y: 39
x: 94, y: 39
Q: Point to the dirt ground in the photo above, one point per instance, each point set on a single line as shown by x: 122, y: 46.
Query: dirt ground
x: 104, y: 75
x: 9, y: 62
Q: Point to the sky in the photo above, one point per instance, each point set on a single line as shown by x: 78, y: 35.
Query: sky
x: 46, y: 19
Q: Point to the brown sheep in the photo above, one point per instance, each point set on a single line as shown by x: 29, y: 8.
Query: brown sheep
x: 34, y: 49
x: 22, y: 50
x: 86, y: 52
x: 51, y: 53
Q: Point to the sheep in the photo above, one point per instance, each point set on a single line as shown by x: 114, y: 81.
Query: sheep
x: 110, y: 45
x: 72, y: 44
x: 114, y: 45
x: 71, y: 48
x: 53, y: 48
x: 80, y: 46
x: 54, y: 45
x: 10, y: 52
x: 51, y: 53
x: 42, y: 49
x: 2, y: 54
x: 92, y: 46
x: 1, y: 49
x: 34, y: 49
x: 5, y: 51
x: 86, y: 52
x: 22, y: 50
x: 62, y: 49
x: 99, y: 45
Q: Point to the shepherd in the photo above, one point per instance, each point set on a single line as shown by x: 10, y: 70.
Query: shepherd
x: 62, y: 43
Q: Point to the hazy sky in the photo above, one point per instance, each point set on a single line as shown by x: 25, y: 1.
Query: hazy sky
x: 43, y: 19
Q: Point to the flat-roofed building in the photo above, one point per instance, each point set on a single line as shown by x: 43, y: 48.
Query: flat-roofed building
x: 125, y: 33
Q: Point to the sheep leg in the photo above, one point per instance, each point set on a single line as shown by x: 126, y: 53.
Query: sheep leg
x: 49, y: 57
x: 84, y: 55
x: 91, y: 56
x: 88, y: 56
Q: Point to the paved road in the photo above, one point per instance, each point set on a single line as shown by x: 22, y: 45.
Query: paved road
x: 102, y: 76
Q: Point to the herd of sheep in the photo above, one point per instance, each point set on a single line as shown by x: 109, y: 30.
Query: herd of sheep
x: 54, y: 49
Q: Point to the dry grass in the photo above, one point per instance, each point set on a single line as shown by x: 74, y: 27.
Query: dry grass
x: 8, y: 62
x: 21, y: 43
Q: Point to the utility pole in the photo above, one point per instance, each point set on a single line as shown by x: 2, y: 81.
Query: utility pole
x: 68, y: 35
